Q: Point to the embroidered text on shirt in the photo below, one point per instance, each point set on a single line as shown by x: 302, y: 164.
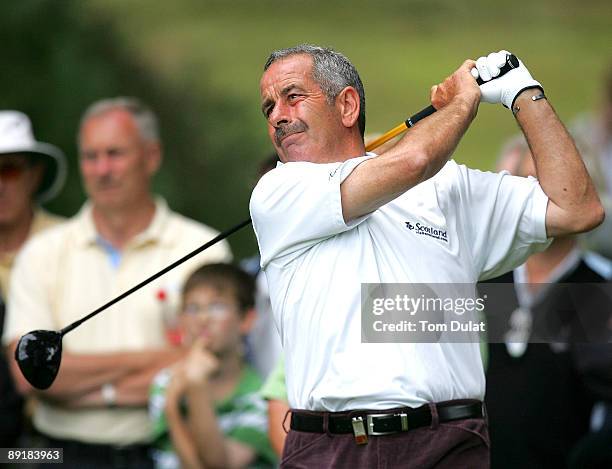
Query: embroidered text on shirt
x: 428, y: 231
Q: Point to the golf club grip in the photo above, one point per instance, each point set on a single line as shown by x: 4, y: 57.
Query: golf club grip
x: 422, y: 114
x: 511, y: 63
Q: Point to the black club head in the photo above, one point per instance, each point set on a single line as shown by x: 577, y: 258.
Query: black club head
x: 39, y: 354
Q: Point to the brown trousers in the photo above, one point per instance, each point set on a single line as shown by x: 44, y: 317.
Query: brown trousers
x: 457, y: 444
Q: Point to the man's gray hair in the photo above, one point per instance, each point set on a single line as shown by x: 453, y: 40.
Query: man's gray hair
x: 331, y: 70
x: 145, y: 119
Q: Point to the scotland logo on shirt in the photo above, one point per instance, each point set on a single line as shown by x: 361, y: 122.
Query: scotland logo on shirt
x: 420, y: 229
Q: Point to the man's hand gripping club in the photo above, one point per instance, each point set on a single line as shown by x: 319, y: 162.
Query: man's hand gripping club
x: 506, y: 88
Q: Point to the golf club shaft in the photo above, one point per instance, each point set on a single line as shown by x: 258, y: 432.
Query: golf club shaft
x: 395, y: 131
x: 511, y: 62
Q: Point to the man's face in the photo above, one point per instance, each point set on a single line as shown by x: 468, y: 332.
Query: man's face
x: 19, y: 180
x: 116, y: 162
x: 302, y: 125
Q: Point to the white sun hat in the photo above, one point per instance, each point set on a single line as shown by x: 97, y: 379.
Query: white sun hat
x: 16, y: 136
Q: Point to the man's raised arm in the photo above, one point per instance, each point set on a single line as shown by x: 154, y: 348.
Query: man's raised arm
x: 573, y: 205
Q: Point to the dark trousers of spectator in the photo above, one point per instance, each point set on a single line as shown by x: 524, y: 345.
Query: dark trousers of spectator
x: 453, y: 445
x: 11, y: 409
x: 79, y: 455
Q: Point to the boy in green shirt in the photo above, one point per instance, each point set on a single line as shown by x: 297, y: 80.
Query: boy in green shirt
x: 206, y: 409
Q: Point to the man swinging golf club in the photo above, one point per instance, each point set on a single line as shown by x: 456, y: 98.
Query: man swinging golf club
x: 332, y: 217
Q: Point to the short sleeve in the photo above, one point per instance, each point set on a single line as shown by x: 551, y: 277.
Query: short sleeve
x: 504, y: 218
x: 29, y: 302
x: 298, y: 205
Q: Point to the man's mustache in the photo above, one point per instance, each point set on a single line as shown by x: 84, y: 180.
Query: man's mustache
x: 284, y: 130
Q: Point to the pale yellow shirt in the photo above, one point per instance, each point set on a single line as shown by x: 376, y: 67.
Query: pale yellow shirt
x: 41, y: 220
x: 63, y: 274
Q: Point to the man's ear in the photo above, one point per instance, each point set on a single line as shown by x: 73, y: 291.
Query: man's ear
x: 248, y: 321
x: 349, y: 106
x: 154, y: 156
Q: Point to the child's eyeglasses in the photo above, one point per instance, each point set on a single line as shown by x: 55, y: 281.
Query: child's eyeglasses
x: 214, y: 310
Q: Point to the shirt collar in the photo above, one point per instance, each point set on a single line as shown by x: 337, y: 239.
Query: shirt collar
x: 87, y: 234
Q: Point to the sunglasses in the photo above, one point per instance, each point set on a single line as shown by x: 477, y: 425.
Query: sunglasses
x: 11, y: 170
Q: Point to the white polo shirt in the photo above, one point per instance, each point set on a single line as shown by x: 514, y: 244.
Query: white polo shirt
x: 315, y: 265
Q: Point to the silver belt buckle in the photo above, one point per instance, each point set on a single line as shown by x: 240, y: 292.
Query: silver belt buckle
x: 370, y: 421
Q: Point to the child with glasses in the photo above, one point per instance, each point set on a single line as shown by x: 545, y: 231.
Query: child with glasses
x: 206, y: 409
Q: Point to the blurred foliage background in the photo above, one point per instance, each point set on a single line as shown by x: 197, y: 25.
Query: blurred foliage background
x: 197, y: 63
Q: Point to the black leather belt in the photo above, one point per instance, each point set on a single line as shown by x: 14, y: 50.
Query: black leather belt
x: 385, y: 422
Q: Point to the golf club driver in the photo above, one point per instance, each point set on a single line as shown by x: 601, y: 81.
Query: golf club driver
x: 39, y: 352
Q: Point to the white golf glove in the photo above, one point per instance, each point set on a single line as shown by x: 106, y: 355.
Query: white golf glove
x: 506, y: 88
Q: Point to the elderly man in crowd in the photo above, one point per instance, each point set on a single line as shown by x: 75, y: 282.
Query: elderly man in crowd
x: 333, y: 217
x: 31, y: 173
x: 96, y: 409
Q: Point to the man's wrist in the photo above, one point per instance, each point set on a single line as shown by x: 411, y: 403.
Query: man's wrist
x: 527, y: 96
x: 524, y: 96
x: 467, y: 103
